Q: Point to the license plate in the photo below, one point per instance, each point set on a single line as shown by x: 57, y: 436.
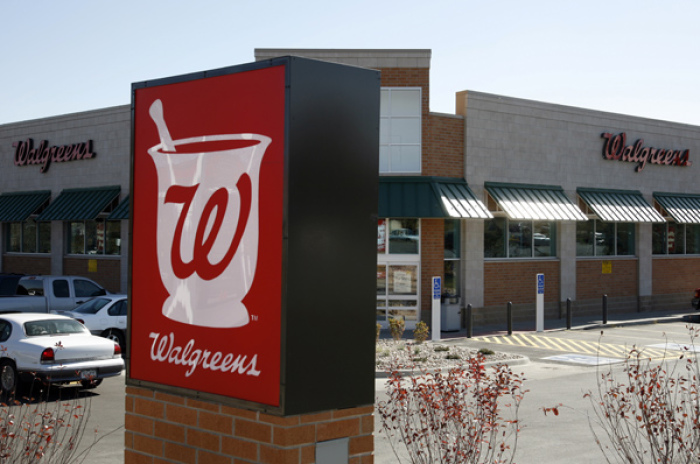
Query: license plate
x: 89, y: 374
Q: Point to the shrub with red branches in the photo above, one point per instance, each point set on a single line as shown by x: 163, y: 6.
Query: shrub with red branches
x: 468, y: 414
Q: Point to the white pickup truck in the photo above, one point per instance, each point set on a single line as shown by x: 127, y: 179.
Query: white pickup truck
x: 44, y: 293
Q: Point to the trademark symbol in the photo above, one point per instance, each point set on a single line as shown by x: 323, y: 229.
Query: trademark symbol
x: 254, y: 317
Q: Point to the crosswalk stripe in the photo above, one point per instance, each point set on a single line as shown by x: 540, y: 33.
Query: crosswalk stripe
x: 576, y: 346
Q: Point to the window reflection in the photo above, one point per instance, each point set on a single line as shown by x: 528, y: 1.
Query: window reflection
x: 494, y: 238
x: 403, y: 236
x: 673, y: 238
x: 95, y: 237
x: 28, y: 236
x: 524, y: 239
x: 597, y: 238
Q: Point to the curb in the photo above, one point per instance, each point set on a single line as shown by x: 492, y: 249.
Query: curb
x: 520, y: 361
x: 652, y: 320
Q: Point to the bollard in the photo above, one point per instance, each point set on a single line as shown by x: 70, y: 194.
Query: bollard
x: 605, y: 309
x: 509, y: 316
x: 568, y: 314
x: 469, y: 321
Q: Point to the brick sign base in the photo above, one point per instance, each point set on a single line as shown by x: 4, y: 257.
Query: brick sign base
x: 165, y: 428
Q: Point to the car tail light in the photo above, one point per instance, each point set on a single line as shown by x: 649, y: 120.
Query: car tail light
x: 80, y: 320
x: 48, y: 355
x: 117, y: 350
x: 697, y: 293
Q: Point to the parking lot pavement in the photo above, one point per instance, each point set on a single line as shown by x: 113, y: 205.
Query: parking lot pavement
x: 562, y: 369
x: 550, y: 381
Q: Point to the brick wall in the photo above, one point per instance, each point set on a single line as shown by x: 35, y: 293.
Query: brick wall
x: 592, y: 284
x: 442, y: 136
x: 26, y: 264
x: 163, y: 428
x: 432, y: 260
x: 675, y: 275
x: 515, y: 281
x: 409, y: 77
x: 443, y: 146
x: 108, y: 271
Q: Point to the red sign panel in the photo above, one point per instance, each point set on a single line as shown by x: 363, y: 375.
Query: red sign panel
x: 207, y: 234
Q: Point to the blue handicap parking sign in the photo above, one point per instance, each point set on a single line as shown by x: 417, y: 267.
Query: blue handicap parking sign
x: 540, y: 283
x: 437, y: 290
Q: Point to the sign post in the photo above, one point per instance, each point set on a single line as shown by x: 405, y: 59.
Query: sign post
x: 540, y: 303
x: 437, y: 292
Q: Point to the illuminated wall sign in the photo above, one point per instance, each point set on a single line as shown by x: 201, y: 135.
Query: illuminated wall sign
x: 615, y: 148
x: 235, y: 261
x: 44, y: 155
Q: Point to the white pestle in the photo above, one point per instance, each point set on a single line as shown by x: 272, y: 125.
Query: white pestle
x: 156, y: 112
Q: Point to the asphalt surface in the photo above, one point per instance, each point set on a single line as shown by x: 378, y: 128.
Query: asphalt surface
x: 564, y: 439
x: 560, y: 366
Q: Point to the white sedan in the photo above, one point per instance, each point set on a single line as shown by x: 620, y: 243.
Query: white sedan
x: 54, y: 349
x: 104, y: 316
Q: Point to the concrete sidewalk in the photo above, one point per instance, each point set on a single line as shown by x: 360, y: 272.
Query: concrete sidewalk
x: 588, y: 322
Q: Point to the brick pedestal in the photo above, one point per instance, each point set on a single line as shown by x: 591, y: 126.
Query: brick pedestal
x: 164, y: 428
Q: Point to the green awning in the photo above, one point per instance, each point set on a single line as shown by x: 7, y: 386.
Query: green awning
x: 80, y: 204
x: 429, y: 197
x: 619, y: 205
x: 121, y: 211
x: 534, y: 202
x: 18, y: 206
x: 682, y: 207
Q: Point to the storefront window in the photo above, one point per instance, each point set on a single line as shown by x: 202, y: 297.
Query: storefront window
x: 450, y: 284
x: 675, y: 239
x: 525, y: 239
x: 397, y: 292
x: 625, y: 245
x: 452, y: 239
x: 597, y: 238
x: 76, y: 238
x: 692, y: 239
x: 404, y: 236
x: 400, y: 130
x: 98, y: 237
x: 14, y: 237
x: 28, y: 237
x: 605, y: 238
x: 29, y: 230
x: 585, y: 238
x: 398, y: 272
x: 658, y: 238
x: 495, y: 238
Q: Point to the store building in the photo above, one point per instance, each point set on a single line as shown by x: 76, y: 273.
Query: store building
x: 64, y: 186
x: 486, y: 198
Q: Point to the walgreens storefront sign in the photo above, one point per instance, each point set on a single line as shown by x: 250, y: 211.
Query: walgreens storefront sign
x: 207, y: 234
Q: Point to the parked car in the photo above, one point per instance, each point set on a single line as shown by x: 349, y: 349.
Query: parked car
x: 104, y: 316
x: 41, y: 293
x: 403, y: 234
x: 55, y: 349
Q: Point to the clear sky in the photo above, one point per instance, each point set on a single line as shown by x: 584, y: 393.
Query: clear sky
x: 635, y: 57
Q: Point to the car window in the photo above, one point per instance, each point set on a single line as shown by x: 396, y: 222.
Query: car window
x: 60, y: 288
x: 31, y: 287
x: 92, y: 306
x: 8, y: 285
x: 5, y: 330
x: 118, y: 308
x: 85, y: 288
x: 53, y: 327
